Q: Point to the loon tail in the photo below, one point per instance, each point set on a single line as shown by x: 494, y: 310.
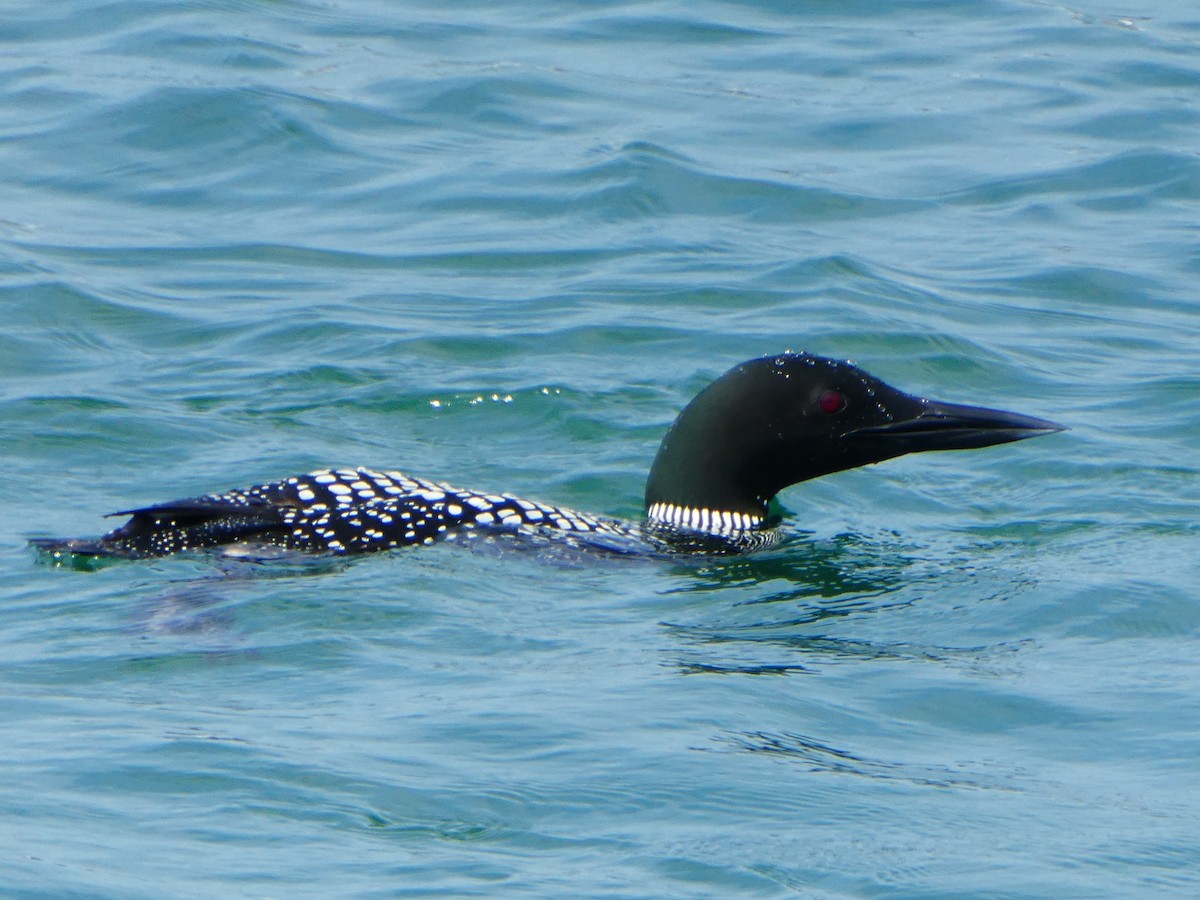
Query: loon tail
x: 173, y: 527
x: 76, y: 547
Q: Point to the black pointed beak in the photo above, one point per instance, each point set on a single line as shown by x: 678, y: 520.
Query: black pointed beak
x: 952, y: 426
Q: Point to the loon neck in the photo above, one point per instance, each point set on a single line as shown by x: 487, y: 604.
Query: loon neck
x: 709, y: 471
x: 713, y: 521
x: 694, y: 484
x: 699, y: 481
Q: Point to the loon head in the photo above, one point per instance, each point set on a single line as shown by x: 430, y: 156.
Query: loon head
x: 779, y: 420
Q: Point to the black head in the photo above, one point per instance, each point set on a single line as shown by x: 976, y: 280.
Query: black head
x: 778, y: 420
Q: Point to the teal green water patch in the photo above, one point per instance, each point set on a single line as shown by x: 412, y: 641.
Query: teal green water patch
x: 503, y: 247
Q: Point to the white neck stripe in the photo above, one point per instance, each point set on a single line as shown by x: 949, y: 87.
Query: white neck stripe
x: 713, y: 521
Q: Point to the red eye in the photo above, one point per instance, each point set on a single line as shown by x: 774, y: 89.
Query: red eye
x: 831, y: 402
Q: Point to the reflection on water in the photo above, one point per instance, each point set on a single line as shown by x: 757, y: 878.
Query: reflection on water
x: 815, y: 604
x: 821, y: 757
x: 780, y: 598
x: 830, y: 568
x: 814, y: 601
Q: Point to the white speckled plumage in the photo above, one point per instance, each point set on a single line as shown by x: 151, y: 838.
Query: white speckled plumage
x: 341, y: 511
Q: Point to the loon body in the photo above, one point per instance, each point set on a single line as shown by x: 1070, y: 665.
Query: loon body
x: 763, y: 425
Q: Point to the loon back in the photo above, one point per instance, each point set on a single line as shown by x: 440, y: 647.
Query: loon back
x: 764, y: 425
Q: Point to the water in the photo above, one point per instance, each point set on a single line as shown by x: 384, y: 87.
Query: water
x: 501, y: 245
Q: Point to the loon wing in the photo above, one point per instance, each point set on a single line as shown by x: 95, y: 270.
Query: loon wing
x: 199, y: 509
x: 326, y: 510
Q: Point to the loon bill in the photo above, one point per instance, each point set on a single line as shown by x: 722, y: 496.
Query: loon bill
x: 763, y: 425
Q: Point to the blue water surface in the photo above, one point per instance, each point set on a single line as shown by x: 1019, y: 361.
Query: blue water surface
x: 502, y: 245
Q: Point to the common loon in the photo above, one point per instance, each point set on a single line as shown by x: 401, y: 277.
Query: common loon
x: 765, y: 424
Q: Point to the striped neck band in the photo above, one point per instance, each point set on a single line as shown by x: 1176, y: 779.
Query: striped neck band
x: 713, y: 521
